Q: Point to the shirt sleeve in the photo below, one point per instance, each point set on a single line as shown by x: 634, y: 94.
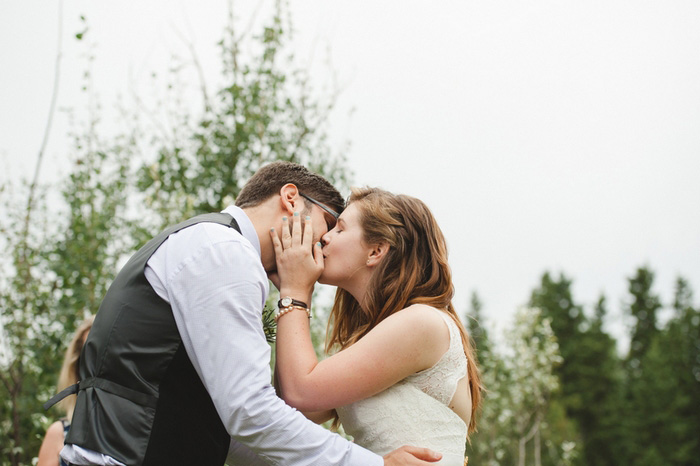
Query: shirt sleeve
x: 239, y: 454
x: 217, y: 294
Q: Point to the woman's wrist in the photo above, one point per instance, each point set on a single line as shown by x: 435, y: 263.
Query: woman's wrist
x: 287, y: 304
x: 297, y: 294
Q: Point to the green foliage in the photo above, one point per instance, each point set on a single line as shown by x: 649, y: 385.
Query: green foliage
x: 29, y: 338
x: 269, y: 324
x: 518, y: 424
x: 605, y: 412
x: 489, y: 445
x: 264, y: 111
x: 94, y: 231
x: 638, y: 416
x: 62, y: 262
x: 602, y: 395
x: 643, y: 309
x: 567, y: 318
x: 475, y: 320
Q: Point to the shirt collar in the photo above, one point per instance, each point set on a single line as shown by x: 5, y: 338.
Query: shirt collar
x: 247, y: 227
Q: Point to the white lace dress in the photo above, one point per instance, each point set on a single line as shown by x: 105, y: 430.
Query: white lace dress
x: 416, y: 410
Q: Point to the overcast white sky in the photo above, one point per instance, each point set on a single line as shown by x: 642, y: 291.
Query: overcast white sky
x: 545, y: 135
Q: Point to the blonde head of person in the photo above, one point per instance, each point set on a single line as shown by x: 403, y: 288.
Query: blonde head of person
x: 55, y: 434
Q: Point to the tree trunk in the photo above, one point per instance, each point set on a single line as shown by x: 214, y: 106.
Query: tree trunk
x: 538, y: 448
x: 14, y: 456
x: 521, y: 451
x: 534, y: 431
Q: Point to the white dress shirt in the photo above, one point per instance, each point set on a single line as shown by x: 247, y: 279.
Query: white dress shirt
x: 213, y: 279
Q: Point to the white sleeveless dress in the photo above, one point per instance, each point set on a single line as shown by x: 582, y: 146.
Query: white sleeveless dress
x: 415, y: 411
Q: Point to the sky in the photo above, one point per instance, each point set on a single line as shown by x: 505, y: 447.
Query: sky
x: 551, y: 136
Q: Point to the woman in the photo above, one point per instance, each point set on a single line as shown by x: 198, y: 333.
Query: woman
x: 55, y: 434
x: 405, y: 372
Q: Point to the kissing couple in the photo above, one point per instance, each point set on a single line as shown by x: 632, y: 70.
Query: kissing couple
x: 176, y: 368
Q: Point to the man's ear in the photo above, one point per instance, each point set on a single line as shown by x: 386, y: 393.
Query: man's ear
x: 290, y: 199
x: 377, y: 253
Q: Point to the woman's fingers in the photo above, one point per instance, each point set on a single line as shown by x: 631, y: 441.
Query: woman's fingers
x: 307, y: 240
x: 318, y: 255
x: 276, y: 242
x: 296, y: 229
x: 286, y: 233
x: 292, y: 234
x: 297, y: 242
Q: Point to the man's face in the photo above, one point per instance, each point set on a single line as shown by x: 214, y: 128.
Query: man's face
x: 320, y: 221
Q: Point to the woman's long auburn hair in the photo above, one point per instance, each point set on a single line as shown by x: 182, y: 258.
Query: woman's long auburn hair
x: 414, y: 271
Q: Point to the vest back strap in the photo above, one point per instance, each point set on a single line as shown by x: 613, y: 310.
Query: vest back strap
x: 108, y: 386
x: 72, y: 390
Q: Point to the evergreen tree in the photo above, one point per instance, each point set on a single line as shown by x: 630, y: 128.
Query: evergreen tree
x: 683, y: 350
x: 642, y: 419
x: 599, y: 418
x: 667, y: 374
x: 589, y: 374
x: 488, y: 445
x: 643, y: 308
x: 475, y: 326
x: 600, y: 422
x: 685, y: 328
x: 554, y: 299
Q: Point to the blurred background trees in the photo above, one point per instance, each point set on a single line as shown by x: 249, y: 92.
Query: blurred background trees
x: 610, y: 406
x: 561, y: 390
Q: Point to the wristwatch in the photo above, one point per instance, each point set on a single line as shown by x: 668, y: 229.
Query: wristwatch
x: 287, y: 302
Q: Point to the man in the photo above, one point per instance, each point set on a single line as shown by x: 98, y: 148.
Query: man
x: 176, y: 368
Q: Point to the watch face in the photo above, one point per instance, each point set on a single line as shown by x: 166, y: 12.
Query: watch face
x: 286, y: 301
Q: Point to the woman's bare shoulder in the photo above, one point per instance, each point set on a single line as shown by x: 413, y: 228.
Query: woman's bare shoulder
x: 421, y: 314
x: 426, y: 325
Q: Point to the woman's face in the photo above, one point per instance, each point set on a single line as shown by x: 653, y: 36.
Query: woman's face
x: 345, y: 252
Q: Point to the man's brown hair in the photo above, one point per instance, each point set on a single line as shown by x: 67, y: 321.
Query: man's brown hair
x: 268, y: 181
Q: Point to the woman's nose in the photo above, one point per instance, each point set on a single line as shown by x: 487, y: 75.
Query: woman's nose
x: 325, y: 239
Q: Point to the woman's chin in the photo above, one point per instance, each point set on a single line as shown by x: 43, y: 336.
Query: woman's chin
x: 326, y: 280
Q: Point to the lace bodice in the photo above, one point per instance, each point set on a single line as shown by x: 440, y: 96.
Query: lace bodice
x: 440, y: 381
x: 416, y: 410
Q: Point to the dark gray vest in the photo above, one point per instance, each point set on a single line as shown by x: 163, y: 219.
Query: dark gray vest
x: 140, y: 400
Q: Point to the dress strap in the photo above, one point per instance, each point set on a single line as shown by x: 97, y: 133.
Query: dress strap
x: 455, y: 337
